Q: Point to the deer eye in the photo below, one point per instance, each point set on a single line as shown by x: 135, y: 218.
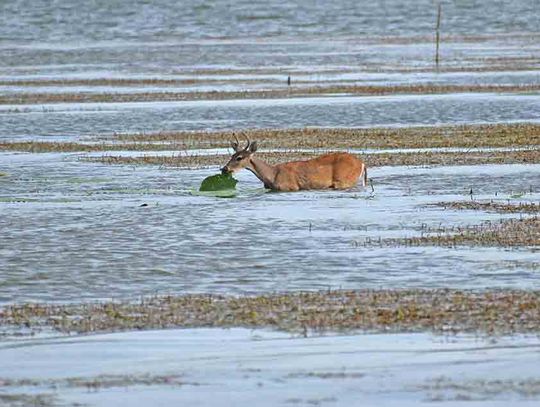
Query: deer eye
x: 238, y: 158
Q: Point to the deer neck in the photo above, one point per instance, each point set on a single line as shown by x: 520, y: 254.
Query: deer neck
x: 262, y: 170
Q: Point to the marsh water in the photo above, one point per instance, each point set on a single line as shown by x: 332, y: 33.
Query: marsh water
x: 165, y: 37
x: 246, y: 45
x: 243, y: 367
x: 72, y: 230
x: 75, y: 230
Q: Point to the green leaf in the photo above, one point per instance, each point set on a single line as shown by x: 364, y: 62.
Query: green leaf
x: 218, y: 182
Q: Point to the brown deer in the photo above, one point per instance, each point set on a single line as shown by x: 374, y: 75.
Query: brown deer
x: 334, y: 170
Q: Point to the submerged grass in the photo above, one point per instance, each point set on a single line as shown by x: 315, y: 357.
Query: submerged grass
x: 505, y: 233
x: 34, y: 400
x: 96, y: 382
x: 489, y: 312
x: 522, y: 232
x: 465, y: 136
x: 367, y: 90
x: 492, y: 206
x: 45, y: 392
x: 82, y: 147
x: 372, y: 160
x: 448, y: 389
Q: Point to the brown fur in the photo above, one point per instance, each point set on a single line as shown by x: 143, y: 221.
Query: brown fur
x: 334, y: 170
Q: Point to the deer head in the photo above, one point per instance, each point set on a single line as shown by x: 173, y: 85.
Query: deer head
x: 241, y: 157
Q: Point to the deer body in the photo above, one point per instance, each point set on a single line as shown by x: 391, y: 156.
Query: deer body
x: 334, y: 170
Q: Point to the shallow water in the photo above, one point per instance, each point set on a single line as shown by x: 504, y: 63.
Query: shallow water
x: 90, y: 119
x: 253, y: 45
x: 75, y: 230
x: 243, y: 367
x: 194, y: 19
x: 259, y: 81
x: 257, y: 45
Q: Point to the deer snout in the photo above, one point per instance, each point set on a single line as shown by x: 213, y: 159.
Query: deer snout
x: 225, y: 170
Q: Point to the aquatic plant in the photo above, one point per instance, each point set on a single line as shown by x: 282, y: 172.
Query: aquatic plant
x: 505, y: 233
x: 372, y: 160
x: 492, y: 206
x: 463, y: 136
x: 218, y: 182
x: 492, y: 312
x: 118, y: 97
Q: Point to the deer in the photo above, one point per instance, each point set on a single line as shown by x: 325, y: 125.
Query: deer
x: 338, y: 170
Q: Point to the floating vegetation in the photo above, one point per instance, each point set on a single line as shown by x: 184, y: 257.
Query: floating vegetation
x: 218, y: 182
x: 372, y: 160
x: 74, y: 147
x: 453, y: 158
x: 23, y: 400
x: 7, y: 199
x: 184, y: 161
x: 124, y: 82
x: 491, y: 312
x: 491, y: 206
x: 448, y: 389
x: 96, y: 382
x: 505, y: 233
x: 465, y: 136
x: 48, y: 146
x: 117, y: 97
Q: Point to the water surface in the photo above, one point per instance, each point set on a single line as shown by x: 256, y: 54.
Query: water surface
x: 243, y: 367
x: 75, y: 230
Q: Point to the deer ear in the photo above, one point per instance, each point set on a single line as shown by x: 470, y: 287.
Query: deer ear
x: 253, y: 147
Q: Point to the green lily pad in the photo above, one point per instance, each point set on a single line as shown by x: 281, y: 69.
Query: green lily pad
x: 218, y: 182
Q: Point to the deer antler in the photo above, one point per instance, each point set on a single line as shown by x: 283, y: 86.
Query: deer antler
x: 235, y: 143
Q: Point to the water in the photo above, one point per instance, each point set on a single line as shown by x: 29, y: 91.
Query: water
x: 75, y: 230
x: 163, y: 20
x: 84, y: 120
x: 308, y: 40
x: 255, y: 46
x: 92, y: 239
x: 243, y: 367
x: 72, y: 230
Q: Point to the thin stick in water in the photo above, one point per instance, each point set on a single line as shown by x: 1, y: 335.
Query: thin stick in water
x: 437, y: 36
